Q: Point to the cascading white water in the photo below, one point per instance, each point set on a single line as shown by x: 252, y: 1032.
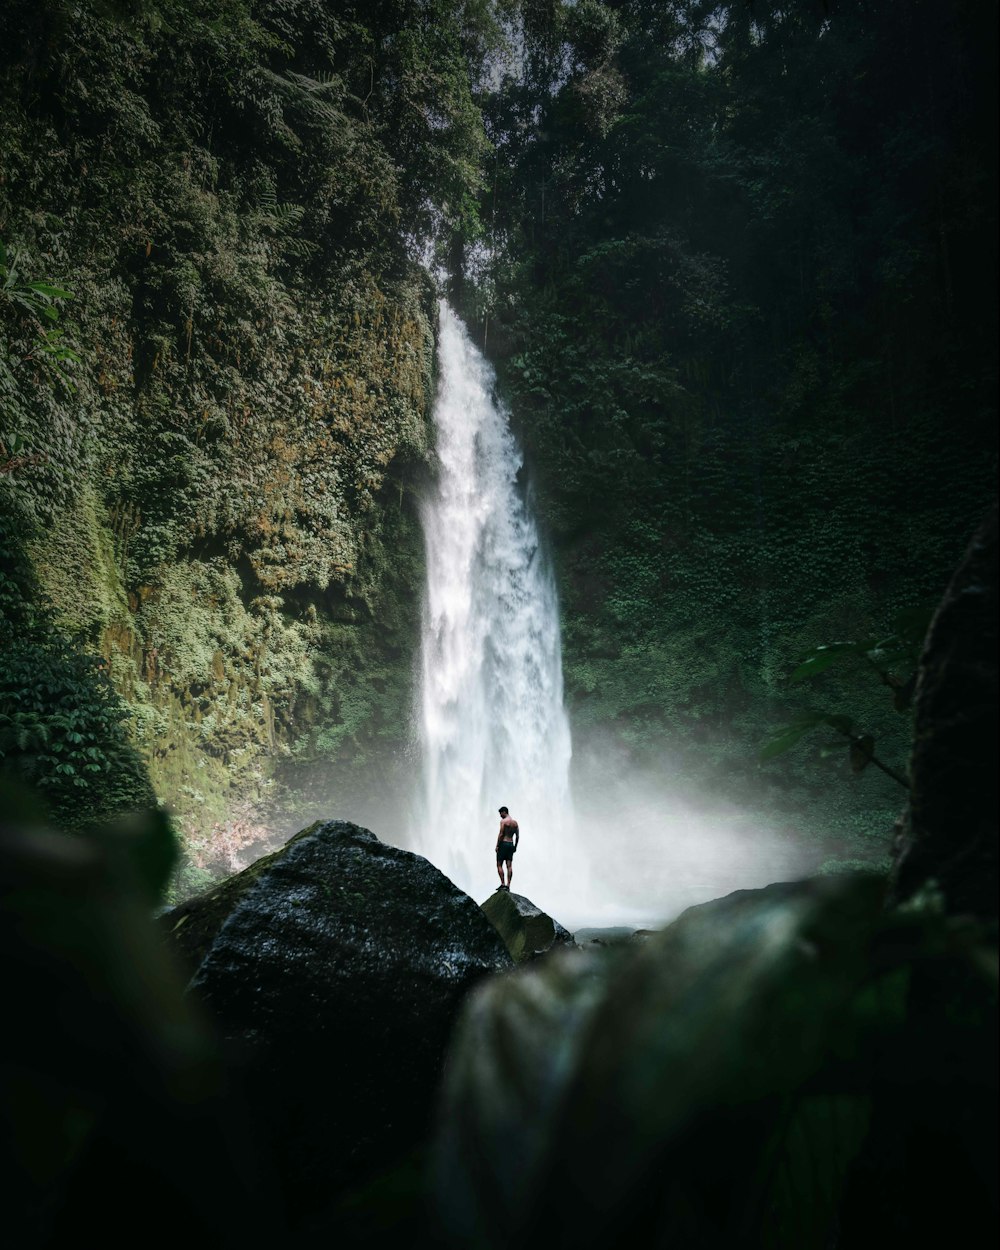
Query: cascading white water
x: 493, y: 728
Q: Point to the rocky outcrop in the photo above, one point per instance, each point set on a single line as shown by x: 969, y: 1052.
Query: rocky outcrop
x: 526, y: 930
x: 335, y: 977
x: 950, y: 831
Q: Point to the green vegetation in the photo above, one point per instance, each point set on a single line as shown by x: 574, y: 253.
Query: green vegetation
x: 741, y: 295
x: 63, y: 729
x: 29, y: 314
x: 734, y: 263
x: 813, y: 1037
x: 886, y: 656
x: 213, y: 470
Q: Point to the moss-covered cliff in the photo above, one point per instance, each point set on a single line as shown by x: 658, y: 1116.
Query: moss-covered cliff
x: 217, y: 494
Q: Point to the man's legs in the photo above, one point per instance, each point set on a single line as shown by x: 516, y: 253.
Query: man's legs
x: 510, y: 870
x: 500, y: 869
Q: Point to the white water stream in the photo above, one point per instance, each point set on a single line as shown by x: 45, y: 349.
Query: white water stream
x: 492, y: 725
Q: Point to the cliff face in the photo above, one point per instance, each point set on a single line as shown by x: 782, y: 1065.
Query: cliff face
x: 217, y: 493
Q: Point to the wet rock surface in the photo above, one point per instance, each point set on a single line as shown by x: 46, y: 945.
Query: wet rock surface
x: 526, y: 930
x: 335, y: 978
x: 192, y: 926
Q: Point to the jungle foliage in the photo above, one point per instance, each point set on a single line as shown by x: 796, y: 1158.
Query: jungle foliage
x: 63, y: 729
x: 212, y: 469
x: 887, y: 657
x: 740, y: 287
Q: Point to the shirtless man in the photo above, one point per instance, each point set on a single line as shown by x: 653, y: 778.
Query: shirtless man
x: 506, y: 846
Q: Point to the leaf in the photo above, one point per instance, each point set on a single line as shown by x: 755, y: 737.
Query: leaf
x: 787, y: 737
x: 779, y: 744
x: 821, y: 658
x: 46, y: 288
x: 770, y: 1114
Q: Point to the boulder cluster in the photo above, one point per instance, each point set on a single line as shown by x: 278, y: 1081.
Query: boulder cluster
x: 334, y: 970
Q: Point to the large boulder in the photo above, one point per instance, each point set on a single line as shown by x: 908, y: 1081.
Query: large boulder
x: 526, y: 930
x: 335, y: 969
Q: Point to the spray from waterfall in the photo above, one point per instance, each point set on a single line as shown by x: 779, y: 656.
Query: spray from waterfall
x: 492, y: 724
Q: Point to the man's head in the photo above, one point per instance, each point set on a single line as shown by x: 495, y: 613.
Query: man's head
x: 503, y: 811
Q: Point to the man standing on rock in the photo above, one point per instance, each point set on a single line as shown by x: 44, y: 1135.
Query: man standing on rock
x: 506, y: 846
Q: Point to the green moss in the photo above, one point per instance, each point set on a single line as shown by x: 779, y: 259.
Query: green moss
x: 75, y: 561
x: 522, y: 935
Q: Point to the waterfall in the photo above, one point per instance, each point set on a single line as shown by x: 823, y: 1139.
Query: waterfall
x: 492, y: 724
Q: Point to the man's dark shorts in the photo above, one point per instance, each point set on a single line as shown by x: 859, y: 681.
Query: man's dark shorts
x: 505, y: 850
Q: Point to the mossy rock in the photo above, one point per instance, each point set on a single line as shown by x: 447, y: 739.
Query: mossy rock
x: 526, y: 930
